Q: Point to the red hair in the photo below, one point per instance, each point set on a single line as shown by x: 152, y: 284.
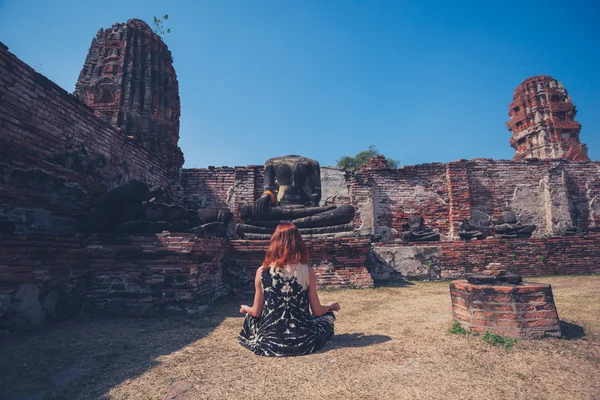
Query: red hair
x: 286, y: 247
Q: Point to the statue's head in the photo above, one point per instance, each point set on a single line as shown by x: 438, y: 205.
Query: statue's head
x: 415, y: 222
x: 508, y: 216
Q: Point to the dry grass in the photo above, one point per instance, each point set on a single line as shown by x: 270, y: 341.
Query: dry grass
x: 390, y: 343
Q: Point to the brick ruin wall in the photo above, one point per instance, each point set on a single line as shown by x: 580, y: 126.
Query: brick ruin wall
x: 385, y: 198
x: 552, y: 194
x: 338, y: 262
x: 44, y: 277
x: 41, y: 277
x: 158, y: 274
x: 56, y: 157
x: 559, y: 255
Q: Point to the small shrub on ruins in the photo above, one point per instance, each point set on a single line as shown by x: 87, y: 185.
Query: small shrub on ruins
x: 499, y: 340
x: 457, y: 329
x: 363, y: 158
x: 158, y: 25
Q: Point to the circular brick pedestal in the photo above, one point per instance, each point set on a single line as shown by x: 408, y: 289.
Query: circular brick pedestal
x: 522, y: 311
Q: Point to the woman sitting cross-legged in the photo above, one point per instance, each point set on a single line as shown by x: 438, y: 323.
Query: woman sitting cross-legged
x: 279, y: 323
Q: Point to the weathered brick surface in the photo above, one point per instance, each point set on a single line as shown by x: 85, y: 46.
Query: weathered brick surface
x: 41, y: 277
x: 56, y: 156
x: 551, y: 194
x: 560, y: 255
x: 221, y: 188
x: 155, y: 274
x: 494, y: 185
x: 175, y: 273
x: 523, y: 311
x: 460, y: 195
x: 108, y: 274
x: 542, y: 121
x: 398, y: 193
x: 129, y: 81
x: 162, y: 273
x: 339, y: 262
x: 37, y: 259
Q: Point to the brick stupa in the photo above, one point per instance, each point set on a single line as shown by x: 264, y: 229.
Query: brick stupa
x: 129, y: 81
x: 542, y: 122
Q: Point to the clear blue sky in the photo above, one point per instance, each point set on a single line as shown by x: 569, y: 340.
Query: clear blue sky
x: 424, y: 81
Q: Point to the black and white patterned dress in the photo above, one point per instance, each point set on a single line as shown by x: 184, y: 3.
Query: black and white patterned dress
x: 285, y: 327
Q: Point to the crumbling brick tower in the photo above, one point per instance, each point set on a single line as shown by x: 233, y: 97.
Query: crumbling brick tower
x: 542, y: 122
x: 129, y: 81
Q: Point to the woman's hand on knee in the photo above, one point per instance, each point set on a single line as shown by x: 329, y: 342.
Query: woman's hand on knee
x: 334, y: 307
x: 244, y: 309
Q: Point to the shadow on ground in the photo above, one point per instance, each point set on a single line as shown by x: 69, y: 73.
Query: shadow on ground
x: 84, y: 360
x: 397, y: 283
x: 571, y: 331
x: 354, y: 340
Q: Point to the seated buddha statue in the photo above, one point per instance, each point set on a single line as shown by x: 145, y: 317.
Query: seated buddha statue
x: 508, y: 227
x: 418, y: 231
x: 292, y: 192
x: 468, y: 231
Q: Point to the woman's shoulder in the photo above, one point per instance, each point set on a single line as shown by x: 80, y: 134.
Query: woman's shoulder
x: 309, y: 268
x: 262, y: 269
x: 299, y: 267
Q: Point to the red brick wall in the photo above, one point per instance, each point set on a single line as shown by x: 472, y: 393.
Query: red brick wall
x: 56, y: 157
x: 206, y: 187
x: 41, y: 277
x: 398, y: 193
x: 109, y: 274
x: 542, y: 192
x: 221, y: 188
x: 493, y: 183
x: 459, y: 193
x: 143, y: 276
x: 582, y: 184
x: 560, y: 255
x: 36, y: 259
x: 177, y: 273
x: 338, y: 262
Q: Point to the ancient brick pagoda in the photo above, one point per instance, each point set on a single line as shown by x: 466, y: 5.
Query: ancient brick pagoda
x: 542, y: 122
x: 129, y: 81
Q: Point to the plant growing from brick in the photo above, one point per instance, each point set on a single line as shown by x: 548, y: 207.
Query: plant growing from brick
x: 158, y: 25
x: 363, y: 158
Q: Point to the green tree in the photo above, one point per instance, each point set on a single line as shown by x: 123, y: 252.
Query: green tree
x: 158, y: 25
x: 362, y: 158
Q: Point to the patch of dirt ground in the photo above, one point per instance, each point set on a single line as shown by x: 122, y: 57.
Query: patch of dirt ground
x: 390, y: 343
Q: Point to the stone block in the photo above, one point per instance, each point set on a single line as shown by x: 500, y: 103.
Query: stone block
x: 421, y: 262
